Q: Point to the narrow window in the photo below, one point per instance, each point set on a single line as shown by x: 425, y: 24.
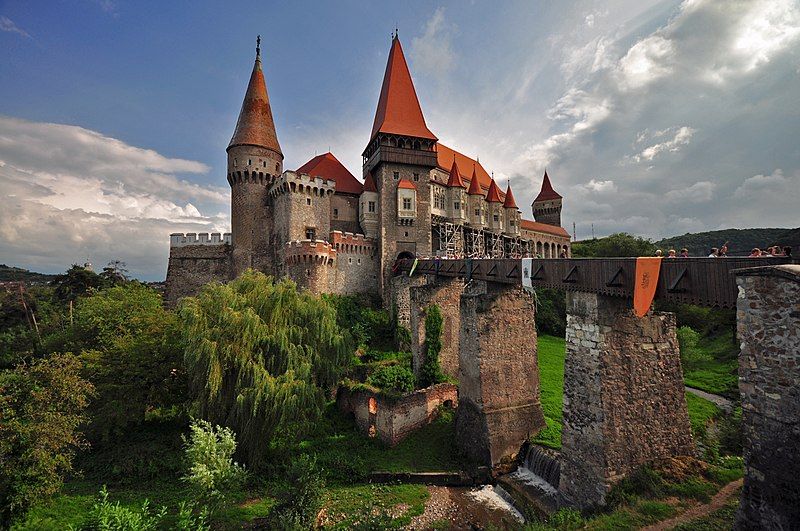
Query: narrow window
x: 265, y: 163
x: 308, y: 200
x: 235, y: 162
x: 496, y: 217
x: 249, y: 162
x: 396, y: 175
x: 406, y: 234
x: 416, y: 176
x: 372, y: 206
x: 335, y: 212
x: 311, y: 233
x: 406, y: 203
x: 457, y: 205
x: 277, y: 166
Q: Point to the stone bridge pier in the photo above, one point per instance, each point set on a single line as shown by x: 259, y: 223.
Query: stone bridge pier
x: 445, y: 292
x: 498, y: 394
x: 768, y: 326
x: 624, y: 402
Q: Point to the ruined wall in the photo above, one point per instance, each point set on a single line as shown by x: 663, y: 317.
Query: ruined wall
x: 393, y: 419
x: 499, y: 404
x: 446, y: 293
x: 400, y: 297
x: 624, y: 402
x: 768, y: 326
x: 190, y: 267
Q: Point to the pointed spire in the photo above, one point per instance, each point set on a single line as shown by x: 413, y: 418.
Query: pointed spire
x: 474, y: 185
x: 547, y: 192
x: 369, y: 183
x: 455, y: 176
x: 509, y: 202
x: 493, y: 195
x: 255, y: 126
x: 398, y: 110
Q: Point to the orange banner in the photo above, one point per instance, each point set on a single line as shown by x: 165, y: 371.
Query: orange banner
x: 647, y: 270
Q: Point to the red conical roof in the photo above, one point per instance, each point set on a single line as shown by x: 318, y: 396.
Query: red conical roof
x: 455, y: 176
x: 493, y: 195
x: 369, y: 183
x: 328, y: 167
x: 509, y: 202
x: 547, y: 191
x: 398, y: 110
x: 474, y: 185
x: 255, y: 126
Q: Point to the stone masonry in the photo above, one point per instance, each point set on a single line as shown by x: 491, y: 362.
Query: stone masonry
x: 499, y: 404
x: 624, y: 402
x: 194, y: 265
x: 445, y: 293
x: 768, y: 326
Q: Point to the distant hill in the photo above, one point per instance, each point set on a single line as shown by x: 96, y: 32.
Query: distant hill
x: 17, y: 273
x: 740, y: 241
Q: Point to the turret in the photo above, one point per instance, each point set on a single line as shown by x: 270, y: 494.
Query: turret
x: 494, y: 208
x: 456, y: 195
x: 511, y: 214
x: 369, y: 208
x: 254, y: 160
x: 547, y: 205
x: 476, y: 205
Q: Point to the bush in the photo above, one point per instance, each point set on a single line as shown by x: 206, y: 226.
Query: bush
x: 212, y: 473
x: 41, y: 407
x: 393, y: 378
x: 107, y: 516
x: 551, y: 312
x: 301, y: 500
x: 688, y: 340
x: 431, y: 372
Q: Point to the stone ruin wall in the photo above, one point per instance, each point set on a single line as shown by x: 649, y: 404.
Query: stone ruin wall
x: 196, y: 260
x: 393, y: 419
x: 768, y: 327
x: 624, y: 401
x: 446, y: 293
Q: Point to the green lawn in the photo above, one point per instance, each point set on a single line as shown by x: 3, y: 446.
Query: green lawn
x: 551, y: 353
x: 712, y: 364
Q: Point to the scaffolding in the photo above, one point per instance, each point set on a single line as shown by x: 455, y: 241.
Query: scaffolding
x: 496, y: 247
x: 475, y: 244
x: 451, y: 239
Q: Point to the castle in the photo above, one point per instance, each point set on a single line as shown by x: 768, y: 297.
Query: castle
x: 329, y: 232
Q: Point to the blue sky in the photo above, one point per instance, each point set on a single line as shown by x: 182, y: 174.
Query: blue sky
x: 654, y: 117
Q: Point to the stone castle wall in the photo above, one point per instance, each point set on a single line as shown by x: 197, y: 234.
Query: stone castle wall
x: 356, y: 269
x: 624, y: 402
x: 445, y: 293
x: 768, y: 327
x: 192, y: 266
x: 344, y: 213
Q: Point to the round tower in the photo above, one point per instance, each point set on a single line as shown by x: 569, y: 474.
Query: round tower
x: 547, y: 205
x: 254, y: 160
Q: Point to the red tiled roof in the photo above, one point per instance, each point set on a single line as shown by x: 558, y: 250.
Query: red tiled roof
x: 527, y: 224
x: 369, y: 183
x: 398, y: 110
x: 474, y: 184
x: 328, y: 167
x: 445, y: 157
x: 547, y: 191
x: 455, y: 177
x: 255, y: 126
x: 493, y: 196
x: 405, y: 183
x: 509, y: 202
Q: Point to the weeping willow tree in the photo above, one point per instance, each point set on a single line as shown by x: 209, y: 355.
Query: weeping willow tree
x: 260, y: 356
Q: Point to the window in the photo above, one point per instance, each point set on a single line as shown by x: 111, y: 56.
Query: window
x: 372, y: 206
x: 277, y: 167
x: 456, y: 206
x: 477, y: 212
x: 265, y: 163
x: 416, y: 176
x: 396, y: 175
x: 235, y: 162
x: 308, y: 200
x: 511, y: 222
x: 249, y: 162
x: 406, y: 234
x: 311, y: 233
x: 496, y: 217
x: 335, y: 212
x: 406, y: 203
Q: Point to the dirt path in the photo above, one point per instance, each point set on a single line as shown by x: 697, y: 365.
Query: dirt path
x: 717, y: 502
x: 721, y: 402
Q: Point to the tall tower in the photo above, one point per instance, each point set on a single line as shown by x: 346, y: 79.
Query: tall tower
x: 547, y: 205
x: 254, y: 161
x: 400, y: 156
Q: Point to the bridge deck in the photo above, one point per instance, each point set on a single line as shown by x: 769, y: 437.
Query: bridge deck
x: 701, y: 281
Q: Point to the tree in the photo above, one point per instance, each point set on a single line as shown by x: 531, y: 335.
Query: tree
x: 431, y: 371
x: 115, y: 272
x: 77, y: 281
x: 260, y: 356
x: 621, y: 244
x: 41, y: 407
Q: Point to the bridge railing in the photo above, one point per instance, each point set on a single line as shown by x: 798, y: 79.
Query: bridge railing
x: 701, y: 281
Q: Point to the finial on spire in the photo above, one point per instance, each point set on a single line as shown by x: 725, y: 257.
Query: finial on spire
x: 258, y: 47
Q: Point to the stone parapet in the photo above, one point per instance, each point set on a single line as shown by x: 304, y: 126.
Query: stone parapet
x: 347, y: 242
x: 292, y: 182
x: 178, y: 239
x: 624, y: 401
x: 309, y: 251
x: 768, y: 327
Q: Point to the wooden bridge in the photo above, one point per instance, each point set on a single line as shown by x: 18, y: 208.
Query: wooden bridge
x: 700, y: 281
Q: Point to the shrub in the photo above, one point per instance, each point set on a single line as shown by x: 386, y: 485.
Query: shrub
x: 551, y: 312
x: 393, y: 378
x: 688, y: 339
x: 212, y: 473
x: 41, y: 407
x: 301, y: 500
x: 431, y: 372
x: 108, y: 516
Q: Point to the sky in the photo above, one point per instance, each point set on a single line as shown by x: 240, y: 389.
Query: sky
x: 651, y: 117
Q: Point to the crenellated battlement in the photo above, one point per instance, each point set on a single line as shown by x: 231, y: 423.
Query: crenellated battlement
x: 178, y: 239
x: 347, y: 242
x: 310, y: 251
x: 302, y: 183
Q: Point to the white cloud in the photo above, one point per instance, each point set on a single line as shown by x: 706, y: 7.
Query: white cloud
x: 682, y: 137
x: 600, y: 186
x: 760, y: 188
x: 8, y: 25
x: 699, y: 192
x: 432, y: 52
x: 646, y: 61
x: 72, y: 194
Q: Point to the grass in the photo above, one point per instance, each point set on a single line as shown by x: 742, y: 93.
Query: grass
x: 701, y: 411
x: 551, y: 353
x: 720, y: 520
x: 711, y: 364
x: 374, y: 506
